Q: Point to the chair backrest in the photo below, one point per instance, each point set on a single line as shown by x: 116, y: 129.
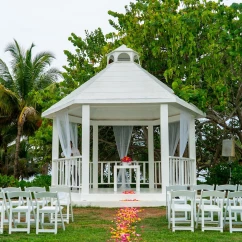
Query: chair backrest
x: 239, y: 187
x: 237, y: 194
x: 64, y: 192
x: 45, y: 195
x: 22, y: 194
x: 35, y: 189
x: 214, y: 196
x: 184, y: 193
x: 204, y: 187
x: 12, y: 189
x: 176, y: 188
x: 226, y: 187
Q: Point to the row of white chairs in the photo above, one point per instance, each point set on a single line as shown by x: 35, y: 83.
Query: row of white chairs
x: 201, y: 206
x: 35, y: 203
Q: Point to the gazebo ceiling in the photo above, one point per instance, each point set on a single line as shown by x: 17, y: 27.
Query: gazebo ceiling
x: 122, y: 91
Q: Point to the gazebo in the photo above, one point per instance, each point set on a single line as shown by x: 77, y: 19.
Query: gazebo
x: 123, y: 94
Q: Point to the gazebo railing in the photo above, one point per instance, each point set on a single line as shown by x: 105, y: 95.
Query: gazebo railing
x: 67, y: 172
x: 182, y: 170
x: 106, y: 172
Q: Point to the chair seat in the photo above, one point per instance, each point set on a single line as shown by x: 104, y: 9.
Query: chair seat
x: 183, y: 207
x: 22, y: 209
x: 211, y: 208
x: 236, y: 208
x: 48, y: 209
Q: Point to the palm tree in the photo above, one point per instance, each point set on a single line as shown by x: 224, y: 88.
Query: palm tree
x: 28, y: 74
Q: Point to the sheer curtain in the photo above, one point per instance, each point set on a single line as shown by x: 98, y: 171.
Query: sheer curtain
x: 74, y: 134
x: 184, y: 131
x: 122, y: 137
x: 174, y: 136
x: 63, y: 128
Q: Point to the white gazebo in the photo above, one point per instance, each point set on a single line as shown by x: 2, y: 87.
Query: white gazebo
x: 123, y: 94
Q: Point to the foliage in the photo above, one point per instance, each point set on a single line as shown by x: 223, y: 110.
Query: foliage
x: 7, y: 181
x: 38, y: 181
x: 220, y: 173
x: 27, y: 73
x: 196, y: 49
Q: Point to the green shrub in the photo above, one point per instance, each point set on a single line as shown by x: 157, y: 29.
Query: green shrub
x: 8, y: 181
x: 220, y: 174
x: 42, y: 181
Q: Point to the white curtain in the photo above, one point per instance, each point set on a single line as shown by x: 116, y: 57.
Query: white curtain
x: 122, y: 136
x: 74, y: 134
x: 64, y: 133
x: 184, y: 131
x: 174, y: 135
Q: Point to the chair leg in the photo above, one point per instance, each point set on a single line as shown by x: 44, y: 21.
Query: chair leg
x: 72, y: 217
x: 2, y: 218
x: 10, y: 222
x: 37, y: 222
x: 56, y: 222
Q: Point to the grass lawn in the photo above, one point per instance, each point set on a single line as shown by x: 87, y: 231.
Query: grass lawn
x: 93, y: 224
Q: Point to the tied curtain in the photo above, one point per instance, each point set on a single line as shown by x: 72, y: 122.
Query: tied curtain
x: 67, y: 132
x: 179, y: 131
x: 122, y: 137
x: 185, y: 119
x: 174, y: 136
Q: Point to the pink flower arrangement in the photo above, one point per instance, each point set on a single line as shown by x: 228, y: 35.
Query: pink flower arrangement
x: 128, y: 192
x: 130, y: 200
x: 126, y: 159
x: 125, y: 221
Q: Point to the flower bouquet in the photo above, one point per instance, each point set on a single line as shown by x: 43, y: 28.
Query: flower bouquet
x: 126, y: 159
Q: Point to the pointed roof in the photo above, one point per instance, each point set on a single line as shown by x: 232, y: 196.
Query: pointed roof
x: 121, y: 82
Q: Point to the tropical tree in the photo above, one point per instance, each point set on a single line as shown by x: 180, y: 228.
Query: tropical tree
x: 27, y: 73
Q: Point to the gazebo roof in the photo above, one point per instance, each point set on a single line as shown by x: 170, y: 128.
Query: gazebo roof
x: 123, y: 83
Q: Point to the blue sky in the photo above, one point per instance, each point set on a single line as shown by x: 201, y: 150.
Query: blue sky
x: 49, y: 23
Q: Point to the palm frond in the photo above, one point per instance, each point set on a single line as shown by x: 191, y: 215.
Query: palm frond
x: 5, y: 76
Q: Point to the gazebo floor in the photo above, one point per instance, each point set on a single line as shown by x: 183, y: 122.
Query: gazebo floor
x: 106, y: 197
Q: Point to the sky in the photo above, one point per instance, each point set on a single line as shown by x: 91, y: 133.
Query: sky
x: 49, y: 23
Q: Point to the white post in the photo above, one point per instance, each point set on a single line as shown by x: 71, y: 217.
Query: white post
x: 192, y: 149
x: 55, y: 153
x: 164, y: 142
x: 151, y: 155
x: 95, y: 156
x: 85, y: 148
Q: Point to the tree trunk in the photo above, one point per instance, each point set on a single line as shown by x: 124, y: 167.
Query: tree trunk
x: 16, y: 156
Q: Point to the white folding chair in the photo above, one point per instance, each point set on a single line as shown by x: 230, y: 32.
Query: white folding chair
x: 25, y: 206
x: 187, y: 207
x: 3, y: 209
x: 234, y: 205
x: 216, y: 206
x: 14, y: 203
x: 198, y: 190
x: 64, y: 194
x: 177, y: 199
x: 34, y: 190
x: 227, y: 188
x: 48, y: 208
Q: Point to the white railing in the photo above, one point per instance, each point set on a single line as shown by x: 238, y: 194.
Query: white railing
x: 67, y: 171
x: 182, y: 170
x: 106, y: 172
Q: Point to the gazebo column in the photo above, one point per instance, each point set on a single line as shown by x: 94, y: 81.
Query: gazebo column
x: 85, y: 148
x: 95, y: 156
x: 55, y: 153
x: 164, y: 142
x: 151, y: 155
x: 192, y: 149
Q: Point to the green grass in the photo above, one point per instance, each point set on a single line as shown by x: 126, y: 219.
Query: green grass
x: 93, y: 224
